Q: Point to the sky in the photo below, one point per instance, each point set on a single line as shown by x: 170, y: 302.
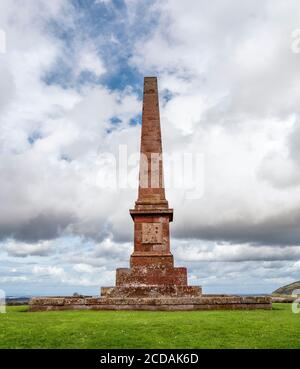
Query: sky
x: 71, y: 75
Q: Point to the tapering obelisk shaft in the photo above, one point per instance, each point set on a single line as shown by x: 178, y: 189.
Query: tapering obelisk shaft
x: 152, y: 214
x: 151, y: 183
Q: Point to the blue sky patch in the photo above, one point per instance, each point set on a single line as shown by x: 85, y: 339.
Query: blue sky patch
x: 106, y: 28
x: 35, y: 136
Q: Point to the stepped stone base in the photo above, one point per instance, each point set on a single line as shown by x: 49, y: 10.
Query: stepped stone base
x: 204, y: 302
x: 151, y: 275
x: 151, y: 291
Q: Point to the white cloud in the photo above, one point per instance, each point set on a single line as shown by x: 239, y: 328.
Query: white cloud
x: 12, y: 279
x: 84, y: 56
x: 41, y: 194
x: 195, y: 251
x: 22, y: 249
x: 103, y: 1
x: 235, y: 100
x: 234, y: 88
x: 91, y: 63
x: 52, y: 271
x: 83, y: 268
x: 62, y: 276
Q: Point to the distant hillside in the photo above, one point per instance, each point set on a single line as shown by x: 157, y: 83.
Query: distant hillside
x: 15, y: 301
x: 287, y: 290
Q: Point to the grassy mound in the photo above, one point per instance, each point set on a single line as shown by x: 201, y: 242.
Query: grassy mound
x: 278, y: 328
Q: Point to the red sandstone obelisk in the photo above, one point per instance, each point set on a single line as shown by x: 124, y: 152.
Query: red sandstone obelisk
x: 152, y: 282
x: 151, y: 264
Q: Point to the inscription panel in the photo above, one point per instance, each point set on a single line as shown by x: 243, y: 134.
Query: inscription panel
x: 151, y: 233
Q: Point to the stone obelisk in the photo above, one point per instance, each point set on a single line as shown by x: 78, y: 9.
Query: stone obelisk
x: 152, y: 270
x: 152, y: 282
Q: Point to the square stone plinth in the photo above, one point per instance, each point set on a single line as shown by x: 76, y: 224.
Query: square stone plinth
x: 151, y: 276
x: 205, y: 302
x: 151, y: 291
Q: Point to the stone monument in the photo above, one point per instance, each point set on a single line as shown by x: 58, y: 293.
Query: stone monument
x: 152, y: 282
x: 152, y: 272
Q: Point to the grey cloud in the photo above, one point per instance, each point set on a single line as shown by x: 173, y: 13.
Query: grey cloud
x: 281, y: 229
x: 294, y: 143
x: 281, y: 168
x: 42, y: 227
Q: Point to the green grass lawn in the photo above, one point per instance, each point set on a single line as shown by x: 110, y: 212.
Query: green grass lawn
x: 279, y: 328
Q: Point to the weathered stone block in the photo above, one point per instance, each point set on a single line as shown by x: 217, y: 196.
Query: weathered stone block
x: 151, y: 275
x: 185, y: 303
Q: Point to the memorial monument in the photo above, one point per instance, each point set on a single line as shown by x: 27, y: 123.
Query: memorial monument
x: 152, y: 282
